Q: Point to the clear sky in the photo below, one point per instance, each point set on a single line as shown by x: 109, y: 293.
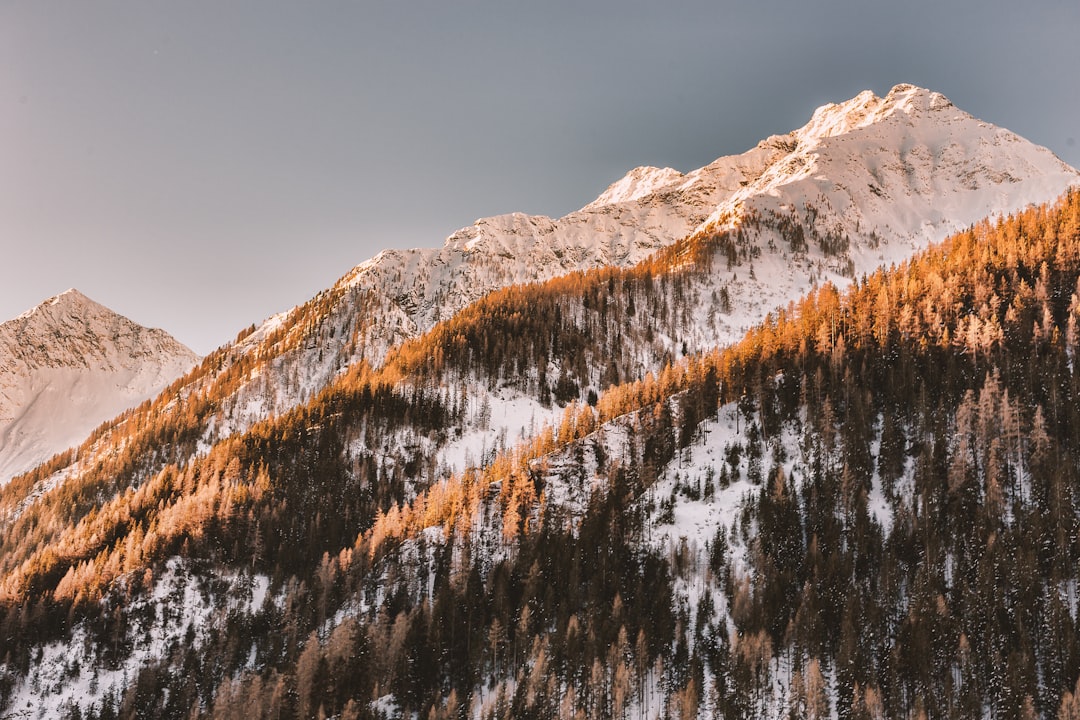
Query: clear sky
x: 201, y: 165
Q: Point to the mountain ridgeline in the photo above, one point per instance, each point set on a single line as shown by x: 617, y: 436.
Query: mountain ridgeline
x: 574, y: 498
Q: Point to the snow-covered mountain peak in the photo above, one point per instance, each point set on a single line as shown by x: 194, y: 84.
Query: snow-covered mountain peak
x: 69, y: 299
x: 637, y: 183
x: 69, y: 294
x: 71, y: 330
x: 866, y: 109
x: 69, y: 364
x: 904, y: 102
x: 869, y: 166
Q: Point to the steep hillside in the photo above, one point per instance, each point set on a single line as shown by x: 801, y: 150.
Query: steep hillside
x: 867, y: 506
x: 869, y: 181
x: 69, y: 365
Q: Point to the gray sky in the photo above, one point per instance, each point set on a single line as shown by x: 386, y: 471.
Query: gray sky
x: 199, y: 166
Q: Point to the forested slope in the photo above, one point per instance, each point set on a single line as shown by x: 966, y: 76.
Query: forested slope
x: 886, y: 479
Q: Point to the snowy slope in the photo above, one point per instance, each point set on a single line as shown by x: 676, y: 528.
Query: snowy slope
x: 73, y: 673
x: 910, y: 165
x: 68, y: 365
x: 644, y: 211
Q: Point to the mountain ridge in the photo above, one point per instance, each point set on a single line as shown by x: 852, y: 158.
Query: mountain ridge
x: 918, y: 144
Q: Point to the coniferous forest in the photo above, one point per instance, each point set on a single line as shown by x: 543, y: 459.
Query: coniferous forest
x: 895, y: 469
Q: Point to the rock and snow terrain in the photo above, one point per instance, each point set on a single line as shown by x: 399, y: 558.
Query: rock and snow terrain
x: 909, y: 165
x: 70, y: 364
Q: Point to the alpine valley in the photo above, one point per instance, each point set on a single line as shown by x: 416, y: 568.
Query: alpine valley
x: 795, y: 434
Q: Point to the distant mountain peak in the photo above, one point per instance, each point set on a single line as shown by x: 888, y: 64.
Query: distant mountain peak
x: 866, y: 109
x: 70, y: 297
x: 70, y: 363
x: 73, y: 329
x: 637, y: 183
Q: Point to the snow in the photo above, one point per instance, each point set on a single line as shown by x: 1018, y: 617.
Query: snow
x: 636, y: 184
x: 68, y: 365
x: 73, y: 673
x: 500, y: 420
x: 877, y: 503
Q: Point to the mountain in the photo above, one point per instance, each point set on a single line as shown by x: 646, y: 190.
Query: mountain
x: 867, y: 182
x: 909, y: 164
x: 70, y: 364
x: 539, y: 471
x: 904, y: 170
